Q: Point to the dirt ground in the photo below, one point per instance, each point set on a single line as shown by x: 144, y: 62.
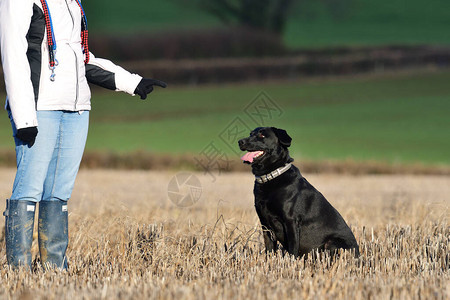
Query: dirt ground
x: 376, y: 198
x: 110, y: 211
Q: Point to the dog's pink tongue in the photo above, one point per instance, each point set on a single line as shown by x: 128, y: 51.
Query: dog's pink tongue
x: 249, y: 156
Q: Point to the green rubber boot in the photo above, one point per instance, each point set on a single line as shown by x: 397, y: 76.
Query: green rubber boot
x: 19, y: 225
x: 53, y: 233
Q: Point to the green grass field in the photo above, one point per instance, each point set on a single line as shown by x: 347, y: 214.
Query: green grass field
x: 360, y: 22
x: 394, y: 119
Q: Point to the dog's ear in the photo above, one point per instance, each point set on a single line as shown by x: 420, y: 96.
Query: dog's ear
x: 282, y: 136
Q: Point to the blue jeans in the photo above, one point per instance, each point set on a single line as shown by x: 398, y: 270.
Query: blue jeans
x: 47, y: 170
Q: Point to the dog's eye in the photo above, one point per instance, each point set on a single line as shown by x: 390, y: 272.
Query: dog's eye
x: 260, y: 135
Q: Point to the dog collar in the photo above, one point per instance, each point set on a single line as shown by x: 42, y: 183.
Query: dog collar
x: 273, y: 174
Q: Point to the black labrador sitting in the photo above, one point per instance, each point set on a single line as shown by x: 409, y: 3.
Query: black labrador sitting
x: 290, y: 209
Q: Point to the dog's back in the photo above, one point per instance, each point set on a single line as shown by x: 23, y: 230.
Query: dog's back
x: 326, y: 228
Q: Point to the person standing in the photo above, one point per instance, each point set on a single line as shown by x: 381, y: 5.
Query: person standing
x: 47, y: 66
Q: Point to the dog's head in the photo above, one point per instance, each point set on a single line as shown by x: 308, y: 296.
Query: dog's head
x: 267, y: 149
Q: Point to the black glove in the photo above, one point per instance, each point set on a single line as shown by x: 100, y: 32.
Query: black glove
x: 145, y: 87
x: 27, y: 135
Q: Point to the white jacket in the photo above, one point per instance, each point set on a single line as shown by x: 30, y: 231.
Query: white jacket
x: 25, y: 60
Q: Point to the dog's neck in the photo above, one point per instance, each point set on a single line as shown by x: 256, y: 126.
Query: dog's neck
x: 274, y: 174
x: 265, y: 167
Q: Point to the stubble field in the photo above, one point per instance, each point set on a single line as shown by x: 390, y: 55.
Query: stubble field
x: 128, y: 240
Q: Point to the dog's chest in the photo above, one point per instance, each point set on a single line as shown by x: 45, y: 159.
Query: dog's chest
x: 278, y: 201
x: 269, y: 207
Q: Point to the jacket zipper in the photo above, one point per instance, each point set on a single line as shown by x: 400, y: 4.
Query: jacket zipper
x: 76, y: 60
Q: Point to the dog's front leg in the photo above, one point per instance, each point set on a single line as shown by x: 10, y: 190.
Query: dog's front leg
x: 292, y: 231
x: 269, y: 240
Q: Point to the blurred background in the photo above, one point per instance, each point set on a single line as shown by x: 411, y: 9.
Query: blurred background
x: 361, y: 86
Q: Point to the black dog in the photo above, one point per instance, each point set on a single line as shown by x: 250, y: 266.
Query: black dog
x: 290, y: 209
